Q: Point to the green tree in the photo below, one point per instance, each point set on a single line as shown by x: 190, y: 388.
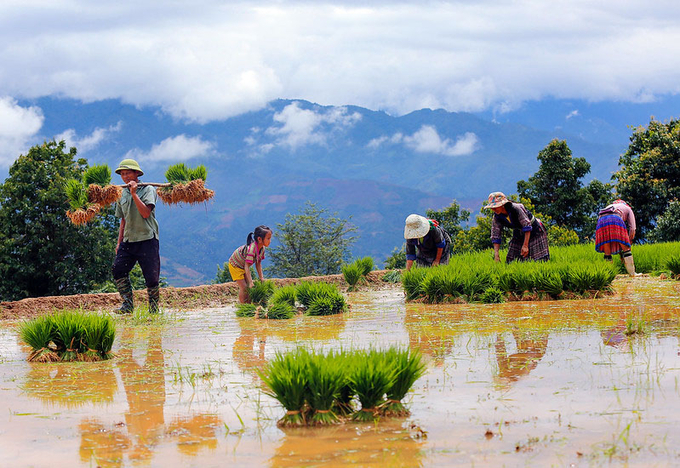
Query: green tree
x: 450, y: 218
x: 668, y: 224
x: 397, y: 259
x: 556, y: 190
x: 649, y: 177
x: 41, y: 252
x: 312, y: 242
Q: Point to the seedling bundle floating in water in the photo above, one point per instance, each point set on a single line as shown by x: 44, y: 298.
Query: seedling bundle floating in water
x: 69, y: 336
x: 320, y: 389
x: 94, y: 191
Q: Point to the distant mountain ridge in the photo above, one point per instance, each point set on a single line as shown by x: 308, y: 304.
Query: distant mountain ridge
x: 365, y: 164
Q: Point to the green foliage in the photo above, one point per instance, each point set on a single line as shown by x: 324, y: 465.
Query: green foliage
x: 407, y: 367
x: 326, y: 377
x: 285, y: 378
x: 667, y: 227
x: 365, y: 265
x: 369, y: 381
x: 327, y: 304
x: 392, y: 276
x: 69, y: 336
x: 41, y: 251
x: 556, y: 190
x: 673, y: 264
x: 99, y: 174
x: 279, y: 311
x: 649, y: 174
x: 76, y: 193
x: 246, y: 310
x: 450, y: 218
x: 311, y: 243
x: 199, y: 172
x: 352, y: 274
x: 412, y: 281
x: 178, y: 174
x: 261, y: 292
x: 561, y: 236
x: 492, y: 295
x: 397, y: 259
x: 286, y: 295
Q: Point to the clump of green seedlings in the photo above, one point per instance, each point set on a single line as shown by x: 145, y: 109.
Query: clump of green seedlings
x: 673, y: 264
x: 314, y: 299
x: 69, y: 336
x: 318, y: 389
x: 285, y: 294
x: 392, y: 276
x: 246, y: 310
x: 320, y: 298
x: 261, y: 292
x: 357, y: 271
x: 186, y: 185
x: 278, y: 311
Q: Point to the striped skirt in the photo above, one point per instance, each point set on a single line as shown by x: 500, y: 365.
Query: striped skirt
x: 611, y: 230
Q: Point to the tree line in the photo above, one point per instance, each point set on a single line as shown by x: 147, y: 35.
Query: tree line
x: 42, y: 253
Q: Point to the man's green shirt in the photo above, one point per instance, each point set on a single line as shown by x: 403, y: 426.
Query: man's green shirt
x: 136, y: 227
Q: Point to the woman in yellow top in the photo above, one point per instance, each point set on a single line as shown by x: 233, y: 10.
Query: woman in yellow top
x: 245, y: 256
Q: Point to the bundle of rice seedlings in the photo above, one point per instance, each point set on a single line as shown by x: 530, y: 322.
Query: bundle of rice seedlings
x: 38, y: 334
x: 549, y: 281
x: 343, y: 400
x: 325, y: 378
x: 81, y: 210
x: 327, y: 304
x: 392, y: 276
x: 279, y: 310
x: 673, y: 264
x: 476, y: 282
x: 408, y: 367
x: 306, y: 292
x: 99, y: 174
x: 246, y: 310
x: 370, y: 380
x: 285, y: 377
x: 352, y: 274
x: 580, y: 278
x: 98, y: 335
x: 286, y: 294
x: 433, y: 287
x: 97, y: 179
x: 261, y: 292
x: 523, y: 279
x: 492, y: 295
x: 186, y: 185
x: 365, y: 264
x: 69, y: 331
x: 412, y: 281
x: 602, y: 275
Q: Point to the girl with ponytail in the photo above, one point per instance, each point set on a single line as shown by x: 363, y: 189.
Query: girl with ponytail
x: 247, y: 255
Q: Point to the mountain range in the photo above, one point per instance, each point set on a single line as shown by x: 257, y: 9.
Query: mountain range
x: 369, y: 166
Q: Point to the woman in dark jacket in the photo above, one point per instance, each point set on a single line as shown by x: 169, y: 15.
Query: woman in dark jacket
x: 529, y: 236
x: 426, y: 243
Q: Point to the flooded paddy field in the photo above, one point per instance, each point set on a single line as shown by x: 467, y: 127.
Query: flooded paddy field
x: 555, y: 383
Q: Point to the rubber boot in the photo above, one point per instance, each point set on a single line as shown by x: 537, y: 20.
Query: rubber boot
x: 154, y: 297
x: 629, y: 264
x: 608, y: 258
x: 124, y: 286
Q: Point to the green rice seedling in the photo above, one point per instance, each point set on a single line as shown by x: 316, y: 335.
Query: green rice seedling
x: 325, y: 379
x: 286, y: 294
x: 392, y: 276
x: 279, y: 310
x: 246, y: 310
x: 408, y: 367
x: 99, y: 174
x: 178, y: 173
x: 370, y: 380
x: 492, y: 295
x: 327, y: 304
x: 506, y: 281
x: 69, y: 331
x: 549, y: 281
x: 38, y: 334
x: 99, y: 333
x: 343, y: 401
x: 365, y: 265
x: 673, y: 264
x: 523, y: 279
x: 304, y: 293
x: 76, y: 193
x: 198, y: 173
x: 307, y: 292
x: 580, y: 278
x: 285, y: 377
x: 412, y: 281
x: 352, y: 274
x: 261, y: 292
x: 476, y: 282
x: 602, y: 275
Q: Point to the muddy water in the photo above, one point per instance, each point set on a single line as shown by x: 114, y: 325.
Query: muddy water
x: 542, y: 383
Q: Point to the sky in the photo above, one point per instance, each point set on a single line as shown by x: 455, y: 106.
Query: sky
x: 208, y: 60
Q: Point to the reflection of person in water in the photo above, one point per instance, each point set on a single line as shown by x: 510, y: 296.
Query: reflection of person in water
x: 145, y: 392
x: 247, y: 357
x: 530, y: 350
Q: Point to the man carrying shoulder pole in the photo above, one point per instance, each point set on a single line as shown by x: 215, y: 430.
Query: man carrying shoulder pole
x: 137, y: 237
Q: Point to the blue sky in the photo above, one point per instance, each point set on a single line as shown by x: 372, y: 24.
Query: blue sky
x: 205, y: 60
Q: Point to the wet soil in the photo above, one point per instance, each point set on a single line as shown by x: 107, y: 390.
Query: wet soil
x: 545, y: 383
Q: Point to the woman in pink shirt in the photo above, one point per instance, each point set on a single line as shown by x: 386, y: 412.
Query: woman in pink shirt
x: 615, y: 233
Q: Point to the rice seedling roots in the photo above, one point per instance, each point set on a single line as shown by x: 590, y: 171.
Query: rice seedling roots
x: 82, y: 216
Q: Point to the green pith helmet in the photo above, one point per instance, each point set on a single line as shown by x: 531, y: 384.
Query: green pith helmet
x: 129, y: 164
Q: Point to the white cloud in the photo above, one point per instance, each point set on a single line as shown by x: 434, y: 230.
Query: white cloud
x: 427, y: 140
x: 174, y: 149
x: 571, y: 114
x: 296, y: 127
x: 211, y: 59
x: 88, y: 142
x: 18, y: 125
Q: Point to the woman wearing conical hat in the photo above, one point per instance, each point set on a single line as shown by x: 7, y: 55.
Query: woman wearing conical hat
x: 427, y: 243
x: 529, y: 236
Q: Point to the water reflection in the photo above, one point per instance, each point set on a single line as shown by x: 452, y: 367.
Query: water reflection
x: 530, y: 348
x: 391, y: 443
x: 194, y: 433
x: 428, y: 333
